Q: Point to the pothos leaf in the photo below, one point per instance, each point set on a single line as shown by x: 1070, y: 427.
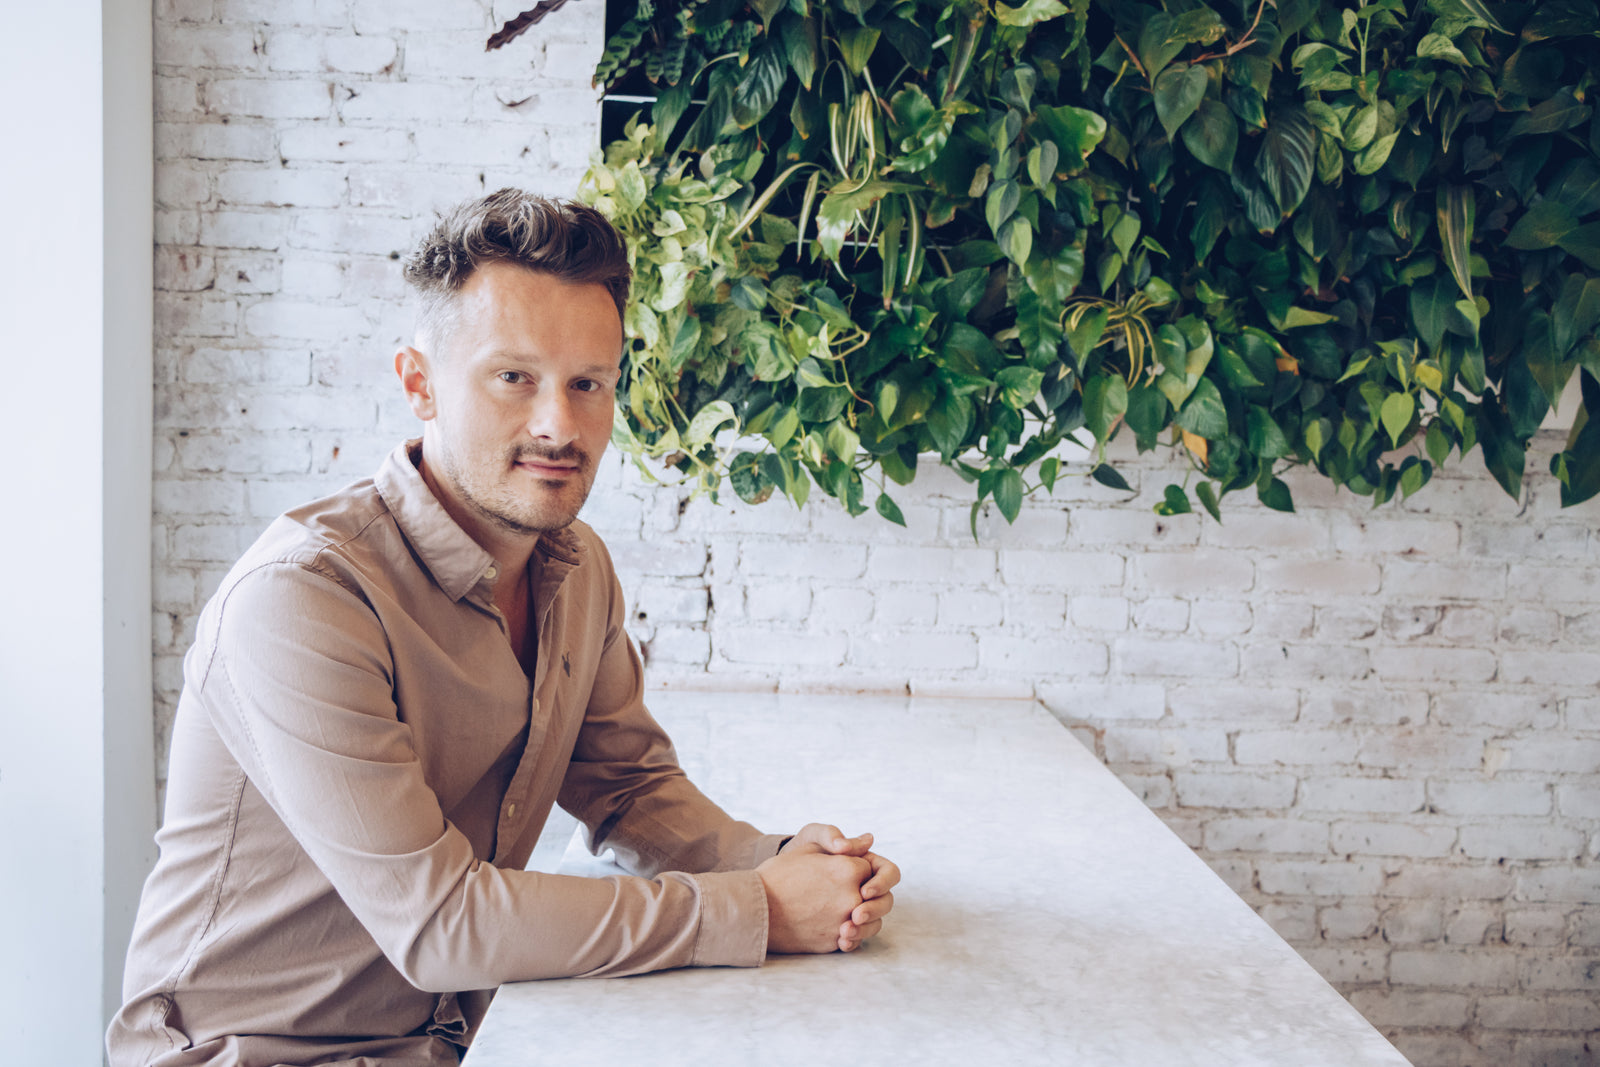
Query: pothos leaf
x: 1105, y: 400
x: 1212, y: 135
x: 1396, y: 415
x: 1029, y: 12
x: 1178, y: 92
x: 1008, y: 493
x: 1110, y: 477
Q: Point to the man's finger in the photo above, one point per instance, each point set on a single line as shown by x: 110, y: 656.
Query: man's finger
x: 872, y: 910
x: 841, y: 845
x: 885, y: 876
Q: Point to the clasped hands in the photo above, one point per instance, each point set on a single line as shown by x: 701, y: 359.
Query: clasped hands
x: 826, y: 891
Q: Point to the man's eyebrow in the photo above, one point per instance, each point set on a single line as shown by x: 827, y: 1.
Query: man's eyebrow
x: 529, y: 359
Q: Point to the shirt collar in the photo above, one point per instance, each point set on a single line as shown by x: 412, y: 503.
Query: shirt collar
x: 456, y: 562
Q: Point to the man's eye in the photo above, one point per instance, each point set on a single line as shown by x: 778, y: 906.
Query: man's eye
x: 511, y: 377
x: 586, y: 385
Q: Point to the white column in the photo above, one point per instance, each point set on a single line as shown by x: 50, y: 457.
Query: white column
x: 76, y: 768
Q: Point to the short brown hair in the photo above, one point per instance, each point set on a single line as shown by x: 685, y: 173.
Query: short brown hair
x: 561, y: 238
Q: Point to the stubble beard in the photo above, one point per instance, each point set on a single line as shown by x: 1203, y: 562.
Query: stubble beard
x: 500, y: 504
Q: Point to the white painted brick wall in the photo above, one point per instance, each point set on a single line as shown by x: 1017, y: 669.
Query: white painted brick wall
x: 1380, y: 727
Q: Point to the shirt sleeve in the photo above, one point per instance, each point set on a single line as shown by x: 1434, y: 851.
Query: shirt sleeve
x: 624, y: 782
x: 299, y: 683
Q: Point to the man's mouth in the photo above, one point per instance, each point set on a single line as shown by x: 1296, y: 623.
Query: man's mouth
x: 549, y: 467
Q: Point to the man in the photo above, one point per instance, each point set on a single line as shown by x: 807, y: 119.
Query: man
x: 393, y: 686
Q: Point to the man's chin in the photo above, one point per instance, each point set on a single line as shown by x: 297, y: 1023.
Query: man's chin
x: 546, y: 514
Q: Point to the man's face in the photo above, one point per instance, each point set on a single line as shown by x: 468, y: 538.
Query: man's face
x: 517, y: 398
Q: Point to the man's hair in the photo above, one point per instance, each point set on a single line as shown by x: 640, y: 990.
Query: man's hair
x: 562, y: 238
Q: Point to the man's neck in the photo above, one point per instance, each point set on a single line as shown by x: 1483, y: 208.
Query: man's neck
x: 511, y: 550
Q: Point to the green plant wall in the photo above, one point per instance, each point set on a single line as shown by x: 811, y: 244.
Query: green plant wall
x: 1363, y: 237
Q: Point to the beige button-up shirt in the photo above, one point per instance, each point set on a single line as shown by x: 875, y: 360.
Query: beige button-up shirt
x: 360, y: 769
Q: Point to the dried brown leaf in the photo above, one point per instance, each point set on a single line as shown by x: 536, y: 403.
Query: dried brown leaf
x: 522, y: 23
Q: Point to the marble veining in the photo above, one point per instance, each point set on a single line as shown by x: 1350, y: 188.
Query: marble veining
x: 1046, y: 916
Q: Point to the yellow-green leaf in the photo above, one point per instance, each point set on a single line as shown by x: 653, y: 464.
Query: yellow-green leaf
x: 1396, y: 414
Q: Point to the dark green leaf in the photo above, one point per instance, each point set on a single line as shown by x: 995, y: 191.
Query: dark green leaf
x: 1008, y: 493
x: 822, y: 404
x: 1561, y: 18
x: 1437, y: 443
x: 1316, y: 226
x: 1576, y: 312
x: 1542, y: 226
x: 898, y: 468
x: 1178, y: 92
x: 1105, y: 400
x: 1533, y: 71
x: 1581, y: 459
x: 1146, y: 414
x: 910, y: 40
x: 1038, y: 328
x: 1204, y: 414
x: 1260, y: 209
x: 1275, y: 495
x: 1288, y: 156
x: 1108, y: 476
x: 1075, y: 131
x: 1414, y: 474
x: 1245, y: 102
x: 758, y: 90
x: 1208, y: 499
x: 1558, y: 113
x: 1001, y: 204
x: 1017, y: 85
x: 1165, y: 35
x: 800, y: 45
x: 1584, y: 243
x: 1535, y: 383
x: 968, y: 350
x: 1264, y: 436
x: 1213, y: 135
x: 889, y: 509
x: 1016, y: 238
x: 1432, y: 301
x: 949, y: 422
x: 1086, y: 335
x: 1048, y: 471
x: 855, y: 45
x: 961, y: 292
x: 1174, y: 501
x: 1055, y: 278
x: 1210, y: 218
x: 1502, y: 453
x: 1578, y: 187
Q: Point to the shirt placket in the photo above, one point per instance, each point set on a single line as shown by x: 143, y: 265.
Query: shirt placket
x: 519, y: 801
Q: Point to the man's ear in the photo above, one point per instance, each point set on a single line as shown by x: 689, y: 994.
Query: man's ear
x: 412, y: 368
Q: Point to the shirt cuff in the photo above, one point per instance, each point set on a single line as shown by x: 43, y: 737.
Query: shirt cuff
x: 733, y: 920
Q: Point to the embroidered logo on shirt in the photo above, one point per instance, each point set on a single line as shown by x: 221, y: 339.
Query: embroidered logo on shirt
x: 566, y: 667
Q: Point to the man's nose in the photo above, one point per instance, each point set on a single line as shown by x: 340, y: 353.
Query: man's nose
x: 551, y: 418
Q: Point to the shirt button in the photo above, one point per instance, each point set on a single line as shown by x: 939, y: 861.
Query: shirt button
x: 511, y: 812
x: 491, y: 573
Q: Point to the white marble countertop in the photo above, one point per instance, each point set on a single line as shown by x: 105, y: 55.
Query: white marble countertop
x: 1045, y: 917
